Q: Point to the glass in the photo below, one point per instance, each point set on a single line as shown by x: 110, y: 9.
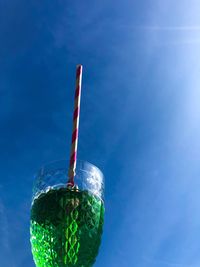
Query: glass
x: 67, y: 223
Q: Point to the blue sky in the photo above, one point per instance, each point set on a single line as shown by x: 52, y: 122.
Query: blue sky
x: 140, y: 120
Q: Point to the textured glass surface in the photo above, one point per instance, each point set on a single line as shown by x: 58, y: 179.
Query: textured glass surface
x: 67, y: 223
x: 88, y: 177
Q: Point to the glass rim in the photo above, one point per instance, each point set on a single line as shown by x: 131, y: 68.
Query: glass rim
x: 40, y: 185
x: 50, y: 165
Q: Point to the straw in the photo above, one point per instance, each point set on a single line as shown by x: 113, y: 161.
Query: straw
x: 74, y: 142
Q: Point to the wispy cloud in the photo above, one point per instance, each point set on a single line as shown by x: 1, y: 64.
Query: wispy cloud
x: 4, y: 233
x: 167, y: 28
x: 195, y: 41
x: 172, y: 35
x: 3, y: 226
x: 164, y: 263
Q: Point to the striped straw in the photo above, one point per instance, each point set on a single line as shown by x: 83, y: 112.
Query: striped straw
x: 74, y: 143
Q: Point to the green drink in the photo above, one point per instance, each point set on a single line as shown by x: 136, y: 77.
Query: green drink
x: 67, y: 222
x: 66, y: 228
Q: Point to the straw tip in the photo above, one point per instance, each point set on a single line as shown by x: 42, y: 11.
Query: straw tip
x: 79, y: 66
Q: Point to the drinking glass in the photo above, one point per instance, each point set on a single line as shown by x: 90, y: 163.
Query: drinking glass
x: 67, y: 222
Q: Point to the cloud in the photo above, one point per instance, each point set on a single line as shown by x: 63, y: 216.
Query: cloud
x: 6, y: 255
x: 167, y: 28
x: 171, y: 35
x: 3, y: 227
x: 164, y: 263
x: 6, y: 259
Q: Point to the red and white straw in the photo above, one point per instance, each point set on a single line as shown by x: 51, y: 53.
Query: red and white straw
x: 74, y: 143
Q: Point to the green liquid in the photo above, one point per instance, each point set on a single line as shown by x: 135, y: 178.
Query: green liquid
x: 66, y: 228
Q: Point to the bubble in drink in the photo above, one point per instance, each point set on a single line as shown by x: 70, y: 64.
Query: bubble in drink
x: 66, y: 228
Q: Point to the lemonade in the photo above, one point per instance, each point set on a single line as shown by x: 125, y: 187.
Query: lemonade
x: 66, y: 228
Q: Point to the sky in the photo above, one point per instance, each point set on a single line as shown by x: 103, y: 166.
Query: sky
x: 139, y: 121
